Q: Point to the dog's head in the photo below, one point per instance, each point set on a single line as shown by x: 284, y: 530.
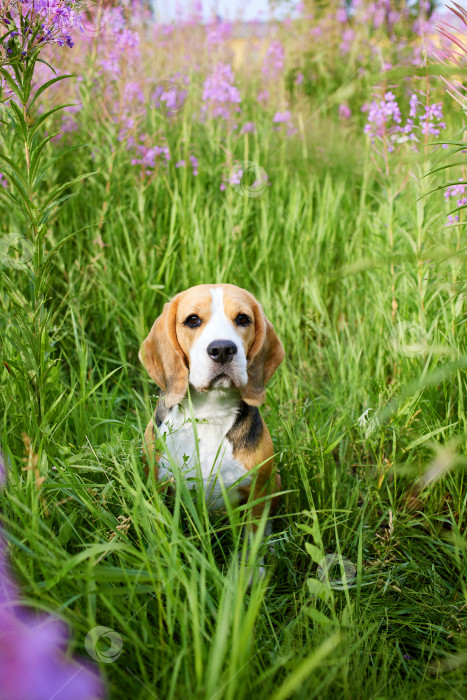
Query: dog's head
x: 212, y: 336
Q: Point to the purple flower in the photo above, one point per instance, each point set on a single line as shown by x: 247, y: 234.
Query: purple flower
x: 431, y: 121
x: 348, y: 36
x: 383, y: 117
x: 344, y: 111
x: 33, y: 663
x: 248, y: 128
x: 282, y: 117
x: 194, y: 164
x: 341, y: 15
x: 150, y: 157
x: 220, y: 96
x: 218, y: 32
x: 274, y: 60
x: 57, y: 19
x: 455, y: 190
x: 3, y: 180
x: 299, y: 79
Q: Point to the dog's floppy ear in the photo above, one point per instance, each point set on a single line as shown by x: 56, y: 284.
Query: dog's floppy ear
x: 163, y: 357
x: 264, y: 358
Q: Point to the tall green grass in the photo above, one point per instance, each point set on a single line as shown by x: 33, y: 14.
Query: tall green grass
x: 91, y: 538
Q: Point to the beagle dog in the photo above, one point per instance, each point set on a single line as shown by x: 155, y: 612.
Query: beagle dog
x: 212, y: 351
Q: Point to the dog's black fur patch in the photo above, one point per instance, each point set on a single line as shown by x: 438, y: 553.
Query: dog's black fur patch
x: 246, y: 432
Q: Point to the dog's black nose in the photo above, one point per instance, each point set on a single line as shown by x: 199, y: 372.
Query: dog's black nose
x: 222, y: 351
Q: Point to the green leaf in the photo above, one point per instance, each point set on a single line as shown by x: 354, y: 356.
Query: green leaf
x: 21, y: 120
x: 319, y: 589
x: 50, y: 255
x: 60, y: 188
x: 15, y: 169
x: 85, y: 397
x: 54, y: 158
x: 45, y: 116
x: 319, y: 617
x: 45, y: 87
x: 315, y: 552
x: 41, y: 60
x: 12, y: 85
x: 35, y: 155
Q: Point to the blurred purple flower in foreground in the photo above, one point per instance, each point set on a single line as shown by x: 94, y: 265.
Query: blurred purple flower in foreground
x: 33, y: 664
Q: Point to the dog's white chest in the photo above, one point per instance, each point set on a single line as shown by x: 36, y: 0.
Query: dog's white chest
x: 205, y: 459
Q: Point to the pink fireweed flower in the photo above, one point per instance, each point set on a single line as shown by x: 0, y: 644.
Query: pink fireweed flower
x: 344, y: 111
x: 220, y: 96
x: 383, y: 118
x: 455, y: 190
x: 273, y: 63
x: 341, y: 15
x: 452, y: 219
x: 122, y: 43
x: 132, y: 92
x: 431, y: 121
x: 282, y: 117
x: 194, y: 164
x: 235, y: 178
x: 348, y: 36
x: 299, y: 79
x: 56, y: 20
x: 218, y: 32
x: 171, y: 95
x: 33, y: 663
x: 248, y: 128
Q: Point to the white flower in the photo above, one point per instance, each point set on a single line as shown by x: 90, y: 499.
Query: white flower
x: 362, y: 421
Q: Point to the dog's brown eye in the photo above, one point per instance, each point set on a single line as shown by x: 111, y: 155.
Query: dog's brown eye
x: 192, y: 321
x: 243, y: 320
